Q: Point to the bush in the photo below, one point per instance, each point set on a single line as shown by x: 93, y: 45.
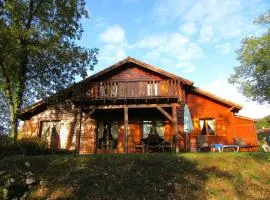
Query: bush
x: 33, y: 146
x: 7, y: 147
x: 27, y: 146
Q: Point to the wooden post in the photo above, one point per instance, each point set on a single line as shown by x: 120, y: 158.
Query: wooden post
x: 78, y: 135
x: 126, y: 127
x: 175, y: 126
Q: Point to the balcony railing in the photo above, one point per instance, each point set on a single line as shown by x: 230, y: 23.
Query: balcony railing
x: 133, y: 89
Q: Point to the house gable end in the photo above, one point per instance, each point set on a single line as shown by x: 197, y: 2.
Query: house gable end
x: 129, y: 72
x: 132, y: 61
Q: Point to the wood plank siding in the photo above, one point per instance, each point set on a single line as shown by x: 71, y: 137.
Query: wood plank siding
x: 132, y: 89
x: 129, y: 98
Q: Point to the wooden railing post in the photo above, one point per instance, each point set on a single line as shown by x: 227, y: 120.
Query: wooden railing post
x: 133, y: 89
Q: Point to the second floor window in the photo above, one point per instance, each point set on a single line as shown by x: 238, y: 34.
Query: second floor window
x: 152, y: 89
x: 207, y: 126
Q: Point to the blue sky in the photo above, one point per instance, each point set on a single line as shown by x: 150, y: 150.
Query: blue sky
x: 193, y: 39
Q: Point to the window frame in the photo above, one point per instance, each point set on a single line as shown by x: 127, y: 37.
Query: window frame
x: 206, y: 126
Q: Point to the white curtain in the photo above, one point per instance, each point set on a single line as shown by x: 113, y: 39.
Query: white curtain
x: 63, y: 135
x: 100, y: 130
x: 46, y: 131
x: 114, y: 131
x: 149, y: 89
x: 201, y: 124
x: 160, y: 129
x: 156, y: 89
x: 211, y: 123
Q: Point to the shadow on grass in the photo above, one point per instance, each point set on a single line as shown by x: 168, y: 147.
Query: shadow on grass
x: 139, y: 176
x: 148, y: 176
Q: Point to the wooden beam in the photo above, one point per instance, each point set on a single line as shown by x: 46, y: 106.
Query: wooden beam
x: 104, y: 107
x: 175, y: 126
x: 165, y: 113
x: 126, y: 127
x: 148, y: 105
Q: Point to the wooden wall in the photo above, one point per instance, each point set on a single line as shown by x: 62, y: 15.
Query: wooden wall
x: 245, y: 128
x: 202, y: 108
x: 227, y: 125
x: 130, y: 73
x: 70, y: 117
x: 88, y: 135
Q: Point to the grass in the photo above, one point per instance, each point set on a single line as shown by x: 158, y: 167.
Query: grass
x: 145, y: 176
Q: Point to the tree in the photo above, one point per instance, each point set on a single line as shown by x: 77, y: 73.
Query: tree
x: 253, y: 75
x: 263, y: 123
x: 38, y: 53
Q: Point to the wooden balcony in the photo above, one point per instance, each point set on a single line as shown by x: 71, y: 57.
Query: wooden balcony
x: 133, y: 89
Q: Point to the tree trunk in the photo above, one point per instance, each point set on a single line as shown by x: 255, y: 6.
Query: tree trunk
x: 14, y: 125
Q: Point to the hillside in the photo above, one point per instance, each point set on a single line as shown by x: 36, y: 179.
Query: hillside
x: 147, y: 176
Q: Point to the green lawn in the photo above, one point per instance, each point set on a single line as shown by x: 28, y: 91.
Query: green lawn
x: 146, y: 176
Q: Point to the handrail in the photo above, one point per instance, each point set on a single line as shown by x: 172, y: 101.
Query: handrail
x: 132, y: 89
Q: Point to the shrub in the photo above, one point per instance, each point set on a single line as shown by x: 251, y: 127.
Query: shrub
x: 27, y: 146
x: 33, y: 146
x: 7, y: 147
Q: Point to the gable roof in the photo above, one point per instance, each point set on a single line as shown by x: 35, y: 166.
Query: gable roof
x: 141, y: 64
x: 245, y: 118
x: 234, y: 106
x: 42, y: 103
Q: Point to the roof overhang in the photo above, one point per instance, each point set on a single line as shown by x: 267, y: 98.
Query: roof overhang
x: 43, y: 103
x: 234, y: 107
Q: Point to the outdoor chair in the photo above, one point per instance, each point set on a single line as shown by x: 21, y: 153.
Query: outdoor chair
x: 242, y: 144
x: 202, y: 143
x: 140, y: 145
x: 153, y: 142
x: 169, y: 145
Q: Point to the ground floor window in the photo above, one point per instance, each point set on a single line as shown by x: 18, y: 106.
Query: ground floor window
x: 207, y: 126
x: 107, y: 135
x: 55, y: 133
x: 153, y: 127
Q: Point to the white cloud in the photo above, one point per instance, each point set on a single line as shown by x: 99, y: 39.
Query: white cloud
x: 186, y: 66
x: 188, y: 28
x: 111, y: 54
x: 115, y: 45
x: 224, y: 48
x: 206, y: 34
x: 99, y: 22
x: 222, y: 88
x: 168, y: 10
x: 173, y: 44
x: 150, y: 41
x: 170, y: 46
x: 113, y: 35
x: 228, y: 19
x: 199, y: 10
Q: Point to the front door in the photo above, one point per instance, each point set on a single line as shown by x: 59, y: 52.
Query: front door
x: 107, y: 136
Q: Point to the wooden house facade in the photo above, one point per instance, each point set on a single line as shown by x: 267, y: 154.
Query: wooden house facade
x: 127, y: 100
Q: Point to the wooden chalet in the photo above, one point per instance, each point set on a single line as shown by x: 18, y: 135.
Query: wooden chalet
x: 115, y: 109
